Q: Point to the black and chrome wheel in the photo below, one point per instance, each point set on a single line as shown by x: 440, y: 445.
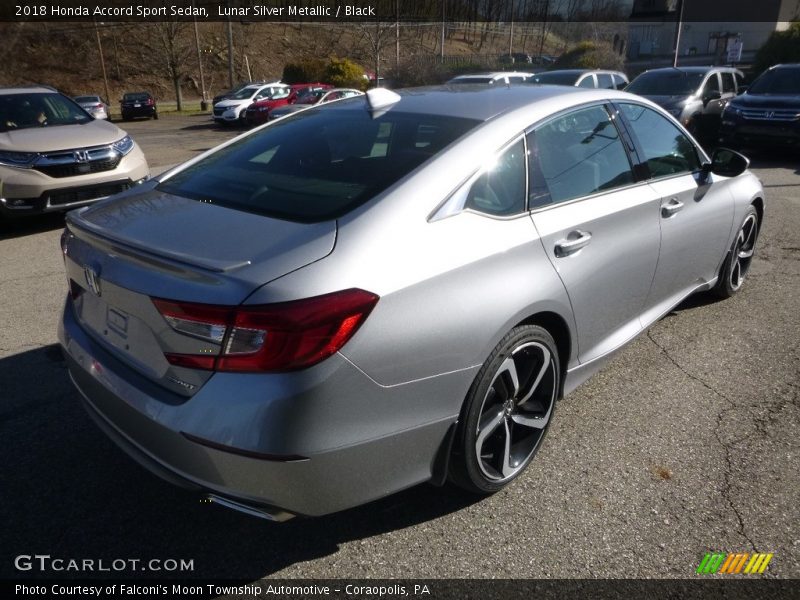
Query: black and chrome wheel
x: 737, y: 263
x: 508, y: 410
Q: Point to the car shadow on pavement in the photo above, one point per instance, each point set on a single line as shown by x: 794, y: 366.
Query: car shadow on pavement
x: 69, y: 492
x: 23, y: 226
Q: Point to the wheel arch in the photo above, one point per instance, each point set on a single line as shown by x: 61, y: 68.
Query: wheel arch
x: 556, y: 326
x: 758, y: 203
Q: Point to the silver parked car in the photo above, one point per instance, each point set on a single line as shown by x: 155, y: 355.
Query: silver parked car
x: 390, y: 289
x: 94, y: 105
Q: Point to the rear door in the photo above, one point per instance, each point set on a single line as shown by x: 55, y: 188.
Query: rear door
x: 695, y: 214
x: 598, y: 225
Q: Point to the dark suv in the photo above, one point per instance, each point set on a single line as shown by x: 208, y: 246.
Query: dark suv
x: 695, y: 96
x: 138, y: 104
x: 768, y: 112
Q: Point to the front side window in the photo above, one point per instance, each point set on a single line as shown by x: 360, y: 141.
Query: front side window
x: 586, y: 82
x: 317, y: 165
x: 500, y: 190
x: 576, y: 155
x: 711, y: 85
x: 619, y: 82
x: 667, y: 150
x: 728, y: 86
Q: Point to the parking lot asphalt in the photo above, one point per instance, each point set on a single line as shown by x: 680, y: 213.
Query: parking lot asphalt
x: 687, y: 442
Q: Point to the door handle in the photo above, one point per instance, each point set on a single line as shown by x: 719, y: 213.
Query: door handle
x: 575, y: 241
x: 671, y: 207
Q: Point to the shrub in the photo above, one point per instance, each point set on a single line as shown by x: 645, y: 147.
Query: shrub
x: 590, y: 55
x: 342, y: 72
x: 304, y: 71
x: 781, y: 47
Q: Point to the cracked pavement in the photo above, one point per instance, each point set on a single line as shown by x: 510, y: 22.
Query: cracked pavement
x: 687, y: 442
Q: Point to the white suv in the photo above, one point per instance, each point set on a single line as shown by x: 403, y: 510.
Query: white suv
x: 54, y: 156
x: 232, y: 110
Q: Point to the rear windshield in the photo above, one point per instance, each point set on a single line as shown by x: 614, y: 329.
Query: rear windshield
x: 87, y: 99
x: 139, y: 97
x: 777, y: 81
x: 319, y: 164
x: 555, y: 78
x: 23, y: 111
x: 666, y: 83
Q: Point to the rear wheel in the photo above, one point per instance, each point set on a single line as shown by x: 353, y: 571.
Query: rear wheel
x: 507, y: 411
x: 737, y: 263
x: 155, y: 115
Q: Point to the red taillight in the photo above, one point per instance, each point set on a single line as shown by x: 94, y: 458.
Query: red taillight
x: 149, y: 102
x: 274, y: 337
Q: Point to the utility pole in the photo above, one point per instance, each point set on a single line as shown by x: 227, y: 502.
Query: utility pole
x: 102, y: 64
x: 230, y: 49
x: 203, y: 102
x: 678, y: 34
x: 397, y: 35
x: 511, y: 36
x: 443, y: 18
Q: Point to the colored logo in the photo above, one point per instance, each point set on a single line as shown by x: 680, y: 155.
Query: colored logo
x: 733, y: 563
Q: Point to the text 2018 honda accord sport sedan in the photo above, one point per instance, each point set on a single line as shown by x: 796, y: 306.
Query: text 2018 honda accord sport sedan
x: 390, y: 289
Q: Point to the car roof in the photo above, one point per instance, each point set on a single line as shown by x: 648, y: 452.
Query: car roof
x: 483, y: 102
x: 31, y: 89
x: 693, y: 69
x: 494, y: 74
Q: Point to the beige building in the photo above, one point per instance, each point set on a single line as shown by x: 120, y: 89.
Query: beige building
x: 653, y: 27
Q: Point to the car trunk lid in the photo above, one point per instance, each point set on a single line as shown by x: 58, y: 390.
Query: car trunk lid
x: 123, y: 253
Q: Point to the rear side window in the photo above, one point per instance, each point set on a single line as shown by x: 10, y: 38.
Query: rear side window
x: 604, y: 81
x: 576, y: 155
x: 500, y: 191
x: 319, y: 164
x: 586, y: 82
x: 667, y: 151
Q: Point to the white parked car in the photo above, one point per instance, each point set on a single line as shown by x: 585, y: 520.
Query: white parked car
x: 232, y: 110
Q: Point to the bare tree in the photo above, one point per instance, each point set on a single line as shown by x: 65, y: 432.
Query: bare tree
x: 167, y: 47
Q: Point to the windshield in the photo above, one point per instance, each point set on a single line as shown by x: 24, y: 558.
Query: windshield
x: 318, y: 164
x: 22, y: 111
x: 777, y: 81
x: 556, y: 78
x: 472, y: 80
x: 666, y: 83
x: 245, y: 93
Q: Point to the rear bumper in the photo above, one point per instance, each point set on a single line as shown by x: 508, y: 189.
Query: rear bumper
x: 318, y: 463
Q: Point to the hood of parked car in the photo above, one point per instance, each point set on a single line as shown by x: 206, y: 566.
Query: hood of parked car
x: 748, y: 100
x: 60, y: 137
x: 230, y: 103
x: 673, y: 101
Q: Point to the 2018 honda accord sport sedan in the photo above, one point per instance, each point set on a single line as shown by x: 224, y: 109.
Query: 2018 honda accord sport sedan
x: 392, y: 288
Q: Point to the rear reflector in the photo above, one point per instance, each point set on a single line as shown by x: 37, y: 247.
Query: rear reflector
x: 286, y: 336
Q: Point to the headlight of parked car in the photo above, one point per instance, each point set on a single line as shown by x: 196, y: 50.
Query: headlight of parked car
x: 23, y: 160
x: 124, y: 145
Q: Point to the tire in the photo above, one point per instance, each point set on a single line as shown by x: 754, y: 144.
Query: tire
x: 503, y: 423
x: 155, y: 116
x: 737, y: 262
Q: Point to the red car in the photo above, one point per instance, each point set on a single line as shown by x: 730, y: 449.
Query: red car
x: 258, y: 112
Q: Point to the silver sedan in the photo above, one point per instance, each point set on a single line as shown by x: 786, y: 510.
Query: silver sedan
x: 94, y: 105
x: 391, y: 289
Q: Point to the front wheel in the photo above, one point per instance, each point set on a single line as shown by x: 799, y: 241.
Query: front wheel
x: 737, y: 263
x: 507, y: 411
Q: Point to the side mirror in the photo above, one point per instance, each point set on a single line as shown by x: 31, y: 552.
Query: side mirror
x: 712, y: 95
x: 727, y: 163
